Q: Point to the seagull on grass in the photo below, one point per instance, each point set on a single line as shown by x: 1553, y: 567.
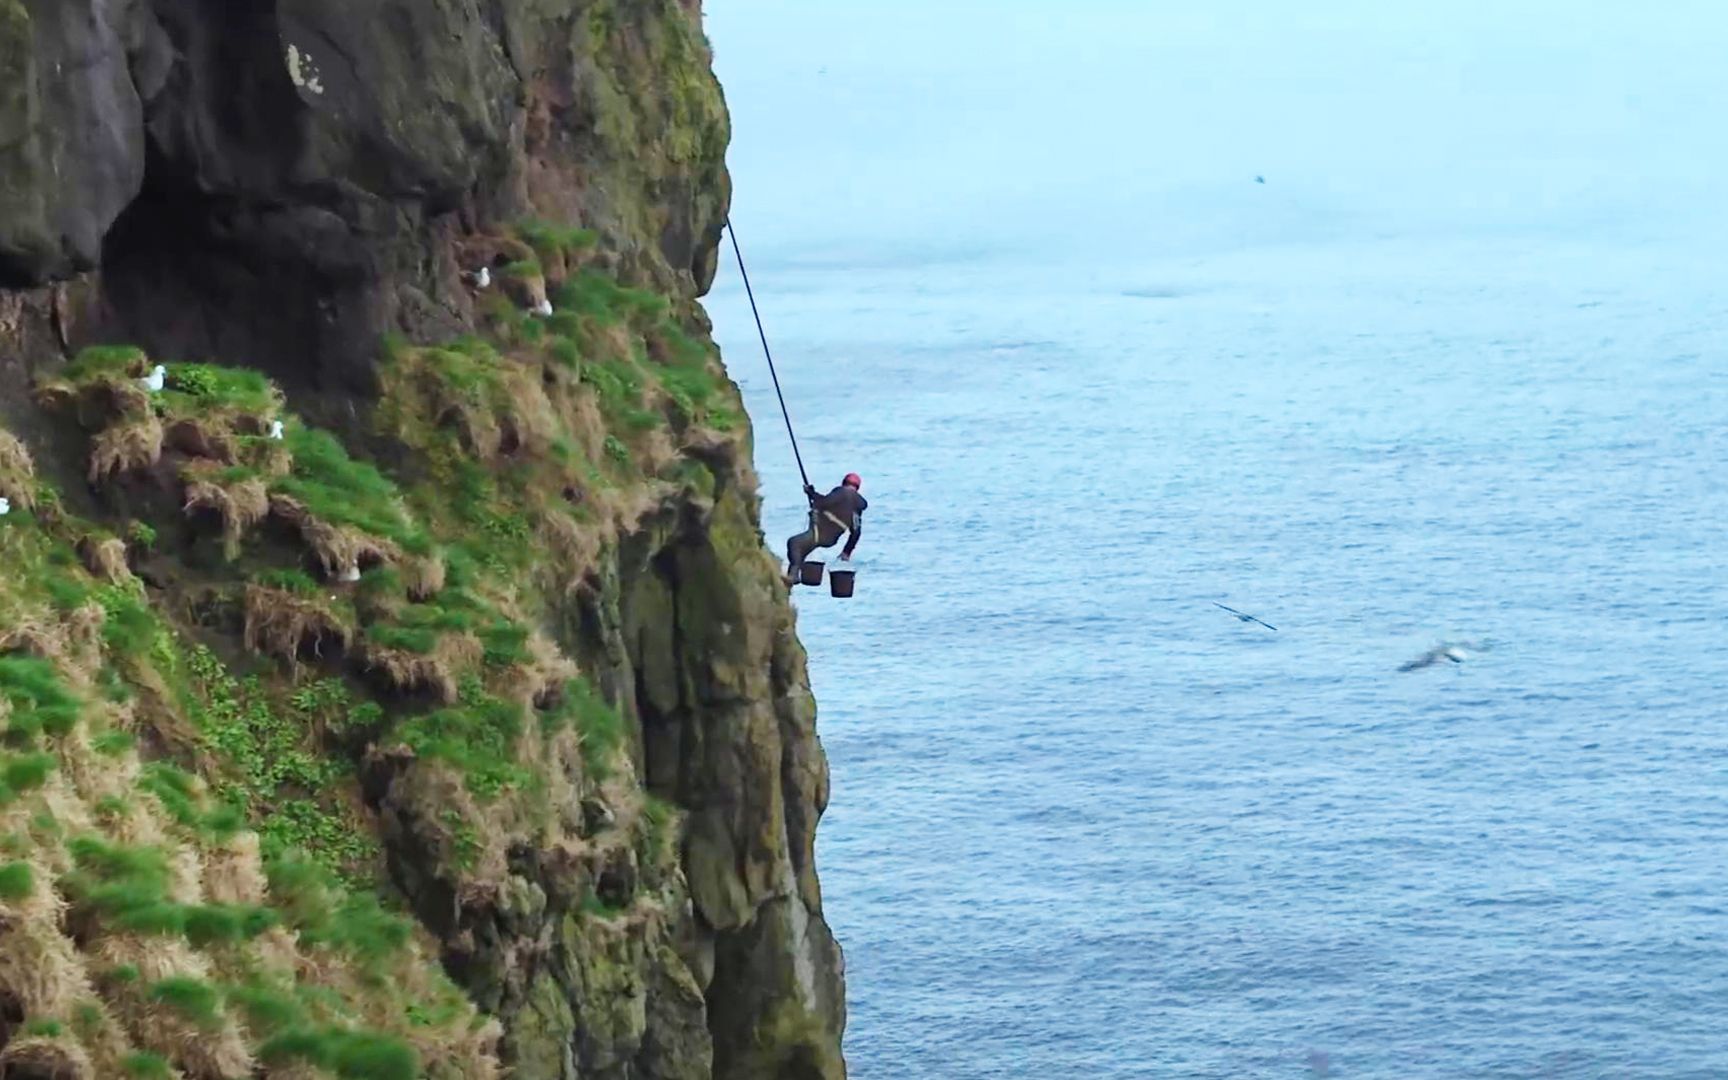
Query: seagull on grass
x: 5, y: 506
x: 543, y: 309
x: 154, y: 381
x: 1242, y: 616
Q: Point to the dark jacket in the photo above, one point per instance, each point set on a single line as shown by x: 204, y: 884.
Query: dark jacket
x: 841, y: 510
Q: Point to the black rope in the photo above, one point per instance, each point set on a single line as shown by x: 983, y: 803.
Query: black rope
x: 763, y: 334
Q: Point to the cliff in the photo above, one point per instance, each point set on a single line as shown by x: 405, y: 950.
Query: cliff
x: 394, y: 681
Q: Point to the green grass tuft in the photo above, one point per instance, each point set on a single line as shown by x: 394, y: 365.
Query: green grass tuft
x: 351, y: 1055
x: 193, y: 999
x: 210, y: 386
x: 129, y: 628
x: 478, y: 736
x: 564, y: 352
x: 27, y: 772
x: 297, y: 582
x: 17, y: 881
x: 267, y: 1011
x: 40, y: 702
x: 209, y: 924
x: 341, y: 491
x: 147, y: 1066
x: 363, y: 1055
x: 100, y: 361
x: 599, y: 724
x: 113, y: 743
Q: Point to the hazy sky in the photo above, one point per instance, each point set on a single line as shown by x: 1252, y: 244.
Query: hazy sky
x: 906, y: 126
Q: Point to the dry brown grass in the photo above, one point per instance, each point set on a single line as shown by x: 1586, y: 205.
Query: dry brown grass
x: 271, y: 458
x: 17, y: 472
x: 92, y: 775
x: 524, y: 292
x: 133, y: 443
x: 582, y: 418
x: 616, y: 341
x: 423, y: 576
x: 624, y: 509
x: 205, y: 1053
x: 211, y: 438
x: 241, y: 504
x: 39, y: 968
x: 437, y: 671
x: 546, y: 669
x: 105, y: 557
x: 233, y: 871
x: 530, y: 413
x: 575, y: 550
x: 39, y: 1058
x: 282, y: 624
x: 654, y: 451
x: 156, y: 958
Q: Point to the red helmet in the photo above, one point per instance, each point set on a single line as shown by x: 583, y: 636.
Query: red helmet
x: 853, y: 480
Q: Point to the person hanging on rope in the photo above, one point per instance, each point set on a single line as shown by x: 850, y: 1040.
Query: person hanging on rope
x: 839, y: 511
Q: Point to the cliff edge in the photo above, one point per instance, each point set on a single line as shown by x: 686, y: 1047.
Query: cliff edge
x: 393, y: 678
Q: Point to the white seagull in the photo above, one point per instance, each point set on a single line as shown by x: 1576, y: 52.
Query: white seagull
x: 276, y: 430
x: 153, y: 382
x: 1243, y: 616
x: 484, y: 278
x: 350, y: 573
x: 543, y: 308
x: 1447, y: 652
x: 5, y: 506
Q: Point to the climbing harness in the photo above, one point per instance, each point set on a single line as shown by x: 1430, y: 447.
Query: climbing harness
x: 763, y: 334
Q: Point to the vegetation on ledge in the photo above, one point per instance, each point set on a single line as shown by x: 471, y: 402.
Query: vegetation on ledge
x: 198, y: 813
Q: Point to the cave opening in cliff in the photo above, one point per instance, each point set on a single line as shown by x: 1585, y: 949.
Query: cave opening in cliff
x: 193, y: 276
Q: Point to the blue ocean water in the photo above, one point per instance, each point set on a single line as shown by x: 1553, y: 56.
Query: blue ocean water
x: 1085, y: 824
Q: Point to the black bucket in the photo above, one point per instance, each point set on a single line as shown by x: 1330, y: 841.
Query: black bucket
x: 840, y: 582
x: 810, y: 571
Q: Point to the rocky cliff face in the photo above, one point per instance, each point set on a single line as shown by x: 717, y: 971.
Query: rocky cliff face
x: 394, y: 680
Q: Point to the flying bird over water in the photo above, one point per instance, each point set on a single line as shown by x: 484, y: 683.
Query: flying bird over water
x: 1446, y: 652
x: 1259, y: 179
x: 1243, y: 616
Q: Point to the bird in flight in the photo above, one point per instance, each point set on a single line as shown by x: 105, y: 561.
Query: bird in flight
x: 1446, y: 652
x: 1259, y: 179
x: 1243, y: 616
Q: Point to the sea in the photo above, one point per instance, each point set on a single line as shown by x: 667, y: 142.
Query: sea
x: 1395, y: 326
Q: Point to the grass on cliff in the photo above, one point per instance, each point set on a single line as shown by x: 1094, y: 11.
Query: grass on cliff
x: 521, y: 449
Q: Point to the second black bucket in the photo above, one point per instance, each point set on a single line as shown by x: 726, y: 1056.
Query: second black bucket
x: 810, y: 571
x: 840, y: 582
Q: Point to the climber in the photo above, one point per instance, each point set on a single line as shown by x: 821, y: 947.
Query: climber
x: 839, y: 511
